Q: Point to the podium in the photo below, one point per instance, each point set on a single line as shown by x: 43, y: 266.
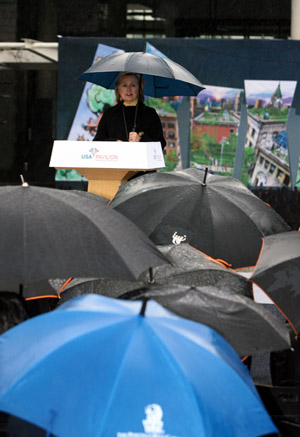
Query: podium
x: 106, y: 164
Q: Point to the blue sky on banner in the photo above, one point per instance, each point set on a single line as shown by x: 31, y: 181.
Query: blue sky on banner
x: 154, y: 51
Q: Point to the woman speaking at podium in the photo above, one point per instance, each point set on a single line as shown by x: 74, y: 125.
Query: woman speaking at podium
x: 130, y: 119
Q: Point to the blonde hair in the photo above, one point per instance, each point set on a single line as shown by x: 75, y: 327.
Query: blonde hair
x: 140, y: 83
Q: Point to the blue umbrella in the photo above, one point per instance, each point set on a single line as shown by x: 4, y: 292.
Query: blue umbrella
x: 163, y: 77
x: 98, y: 366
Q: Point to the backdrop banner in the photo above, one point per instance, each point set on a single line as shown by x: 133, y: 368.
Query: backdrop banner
x: 225, y: 67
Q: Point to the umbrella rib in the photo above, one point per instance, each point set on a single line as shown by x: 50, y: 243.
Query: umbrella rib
x: 120, y: 369
x: 166, y: 352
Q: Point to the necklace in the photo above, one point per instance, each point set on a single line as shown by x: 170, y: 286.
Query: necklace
x: 125, y: 124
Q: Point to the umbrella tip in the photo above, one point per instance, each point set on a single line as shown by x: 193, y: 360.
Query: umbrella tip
x: 24, y: 184
x: 205, y: 176
x: 151, y: 279
x: 143, y: 308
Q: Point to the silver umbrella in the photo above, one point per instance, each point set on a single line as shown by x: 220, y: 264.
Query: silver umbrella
x: 163, y: 77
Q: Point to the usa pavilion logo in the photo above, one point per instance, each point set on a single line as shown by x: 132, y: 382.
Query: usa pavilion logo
x: 95, y: 155
x: 91, y: 153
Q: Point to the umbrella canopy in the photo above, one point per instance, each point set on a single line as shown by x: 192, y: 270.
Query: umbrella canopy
x: 126, y: 368
x: 50, y: 233
x: 249, y: 327
x: 277, y: 272
x: 30, y: 291
x: 186, y: 266
x: 218, y: 215
x: 163, y: 77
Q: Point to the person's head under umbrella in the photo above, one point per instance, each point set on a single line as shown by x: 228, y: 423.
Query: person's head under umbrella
x: 130, y: 119
x: 129, y: 88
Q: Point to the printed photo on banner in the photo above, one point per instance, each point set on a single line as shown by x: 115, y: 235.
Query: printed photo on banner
x: 215, y: 119
x: 266, y: 154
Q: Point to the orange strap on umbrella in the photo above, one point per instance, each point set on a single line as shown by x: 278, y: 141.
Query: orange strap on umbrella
x: 64, y: 285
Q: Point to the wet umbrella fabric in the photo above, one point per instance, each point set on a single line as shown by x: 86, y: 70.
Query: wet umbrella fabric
x: 277, y: 272
x: 117, y: 365
x: 49, y: 233
x: 186, y: 266
x: 41, y: 289
x: 220, y: 217
x: 163, y: 77
x: 247, y: 326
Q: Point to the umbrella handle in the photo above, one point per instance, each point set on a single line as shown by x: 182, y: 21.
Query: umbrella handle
x: 143, y: 308
x: 137, y: 104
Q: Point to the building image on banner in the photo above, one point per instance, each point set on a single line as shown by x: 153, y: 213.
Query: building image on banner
x: 266, y: 154
x: 215, y: 118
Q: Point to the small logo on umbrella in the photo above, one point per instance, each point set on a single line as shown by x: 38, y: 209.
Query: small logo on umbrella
x: 177, y: 239
x: 153, y: 422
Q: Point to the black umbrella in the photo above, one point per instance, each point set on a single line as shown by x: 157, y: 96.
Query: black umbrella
x: 216, y: 214
x: 30, y: 291
x: 50, y: 233
x: 44, y: 289
x: 187, y: 266
x: 277, y: 272
x: 163, y: 77
x: 247, y: 326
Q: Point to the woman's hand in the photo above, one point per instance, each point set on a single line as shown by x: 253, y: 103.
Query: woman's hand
x: 134, y: 136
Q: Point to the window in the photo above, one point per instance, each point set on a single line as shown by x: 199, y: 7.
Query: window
x: 253, y: 132
x: 267, y: 164
x: 261, y: 160
x: 280, y: 175
x: 286, y: 180
x: 272, y: 168
x: 171, y: 134
x: 171, y: 125
x: 142, y: 22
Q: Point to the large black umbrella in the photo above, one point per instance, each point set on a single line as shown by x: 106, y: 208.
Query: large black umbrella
x: 186, y: 266
x: 216, y: 214
x: 50, y: 233
x: 43, y: 288
x: 277, y: 272
x: 249, y: 327
x: 163, y: 77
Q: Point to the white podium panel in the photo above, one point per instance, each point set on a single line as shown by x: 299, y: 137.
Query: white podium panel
x: 106, y: 164
x: 107, y: 154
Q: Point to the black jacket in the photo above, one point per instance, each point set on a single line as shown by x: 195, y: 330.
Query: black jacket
x: 112, y: 124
